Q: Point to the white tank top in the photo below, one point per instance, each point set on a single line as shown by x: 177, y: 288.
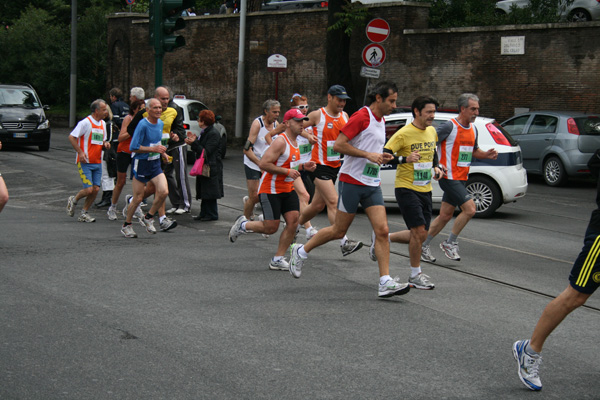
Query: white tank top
x: 260, y: 146
x: 370, y: 140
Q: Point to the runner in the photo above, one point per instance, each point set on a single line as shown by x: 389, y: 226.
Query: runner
x: 88, y: 139
x: 457, y: 145
x: 281, y: 164
x: 147, y: 149
x: 254, y: 148
x: 361, y: 140
x: 415, y: 146
x: 327, y: 122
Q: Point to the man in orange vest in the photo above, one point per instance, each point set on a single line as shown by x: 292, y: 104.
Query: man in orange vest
x: 457, y: 145
x: 88, y: 139
x: 280, y: 164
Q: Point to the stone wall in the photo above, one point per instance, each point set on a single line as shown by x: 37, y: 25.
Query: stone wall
x: 559, y: 69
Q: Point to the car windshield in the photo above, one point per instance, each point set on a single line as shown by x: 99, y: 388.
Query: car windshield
x: 18, y: 98
x: 588, y: 125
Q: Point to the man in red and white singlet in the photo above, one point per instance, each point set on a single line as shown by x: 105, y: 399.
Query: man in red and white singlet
x: 326, y: 123
x: 457, y: 145
x: 280, y: 165
x: 361, y: 141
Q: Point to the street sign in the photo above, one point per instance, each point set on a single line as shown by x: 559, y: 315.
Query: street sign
x: 378, y: 30
x: 373, y: 55
x: 130, y: 1
x: 367, y: 72
x: 276, y: 63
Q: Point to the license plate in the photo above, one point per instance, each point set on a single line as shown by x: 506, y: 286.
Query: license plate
x: 21, y: 135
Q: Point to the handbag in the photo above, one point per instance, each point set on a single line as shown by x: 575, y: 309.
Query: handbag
x: 198, y: 166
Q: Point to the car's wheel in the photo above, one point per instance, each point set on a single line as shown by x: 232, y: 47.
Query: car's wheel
x: 44, y: 147
x: 554, y: 172
x: 223, y: 146
x: 485, y: 194
x: 579, y: 15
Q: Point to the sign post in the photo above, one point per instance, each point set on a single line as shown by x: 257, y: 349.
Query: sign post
x: 373, y: 55
x: 276, y: 63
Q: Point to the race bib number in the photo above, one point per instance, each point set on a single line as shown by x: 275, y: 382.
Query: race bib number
x: 305, y: 148
x: 464, y: 156
x: 293, y: 165
x: 154, y: 156
x: 370, y: 174
x: 331, y: 154
x: 97, y: 136
x: 165, y: 139
x: 422, y: 173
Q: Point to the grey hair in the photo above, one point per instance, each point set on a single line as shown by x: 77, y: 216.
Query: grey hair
x: 138, y: 93
x: 267, y: 105
x: 463, y: 100
x: 96, y: 104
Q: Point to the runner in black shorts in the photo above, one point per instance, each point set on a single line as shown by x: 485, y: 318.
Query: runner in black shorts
x: 583, y: 281
x: 326, y: 173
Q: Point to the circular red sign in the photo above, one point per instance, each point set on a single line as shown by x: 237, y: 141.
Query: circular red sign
x: 373, y: 55
x: 378, y: 30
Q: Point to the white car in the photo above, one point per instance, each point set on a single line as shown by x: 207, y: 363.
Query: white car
x: 491, y: 182
x: 191, y: 110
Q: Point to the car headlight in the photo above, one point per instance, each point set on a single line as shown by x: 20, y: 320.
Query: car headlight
x: 44, y: 125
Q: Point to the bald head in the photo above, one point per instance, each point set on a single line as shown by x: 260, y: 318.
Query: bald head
x: 162, y: 94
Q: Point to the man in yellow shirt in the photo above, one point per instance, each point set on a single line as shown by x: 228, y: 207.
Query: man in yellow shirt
x: 414, y: 148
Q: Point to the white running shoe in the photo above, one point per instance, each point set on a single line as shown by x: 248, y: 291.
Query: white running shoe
x: 127, y: 200
x: 296, y: 261
x: 148, y: 224
x: 426, y: 254
x: 85, y: 217
x: 71, y: 206
x: 128, y: 231
x: 311, y: 232
x: 527, y: 365
x: 112, y: 214
x: 392, y: 287
x: 171, y: 210
x: 372, y: 255
x: 450, y: 250
x: 421, y: 281
x: 350, y: 247
x: 167, y: 224
x: 236, y: 230
x: 280, y: 265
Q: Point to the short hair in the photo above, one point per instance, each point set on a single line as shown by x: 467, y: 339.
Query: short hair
x: 297, y: 99
x: 116, y: 92
x: 267, y: 105
x: 138, y: 93
x: 207, y: 116
x: 96, y: 104
x: 420, y: 102
x: 463, y: 100
x: 135, y: 104
x: 383, y: 89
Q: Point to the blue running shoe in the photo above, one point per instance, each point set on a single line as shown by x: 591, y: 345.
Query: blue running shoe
x: 527, y: 365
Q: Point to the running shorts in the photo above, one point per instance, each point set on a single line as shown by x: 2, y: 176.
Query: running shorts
x: 276, y: 205
x: 350, y: 195
x: 90, y: 174
x: 252, y: 174
x: 123, y: 162
x: 455, y: 192
x: 144, y: 170
x: 326, y: 173
x: 415, y: 207
x: 585, y: 274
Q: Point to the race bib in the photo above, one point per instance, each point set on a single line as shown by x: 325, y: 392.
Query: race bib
x: 293, y: 165
x: 370, y: 174
x: 154, y: 156
x: 97, y: 136
x: 464, y: 156
x: 422, y: 173
x: 331, y: 154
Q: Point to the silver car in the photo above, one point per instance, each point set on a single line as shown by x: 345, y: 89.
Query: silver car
x: 572, y: 11
x: 556, y: 144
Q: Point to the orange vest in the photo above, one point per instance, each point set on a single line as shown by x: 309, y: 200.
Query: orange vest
x: 456, y: 151
x: 276, y: 183
x: 91, y: 142
x: 327, y: 131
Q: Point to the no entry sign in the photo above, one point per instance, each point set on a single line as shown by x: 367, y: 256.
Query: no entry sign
x: 378, y: 30
x: 373, y: 55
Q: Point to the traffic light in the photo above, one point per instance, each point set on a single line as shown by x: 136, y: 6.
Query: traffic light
x: 165, y: 19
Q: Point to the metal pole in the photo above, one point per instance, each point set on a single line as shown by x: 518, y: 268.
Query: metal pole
x: 73, y: 83
x: 276, y: 84
x: 158, y: 68
x: 366, y: 90
x: 239, y: 103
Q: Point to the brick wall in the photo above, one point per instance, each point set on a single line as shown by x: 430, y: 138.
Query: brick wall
x: 559, y: 69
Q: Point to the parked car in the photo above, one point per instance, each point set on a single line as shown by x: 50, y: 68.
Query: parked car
x: 22, y: 118
x: 555, y: 144
x: 491, y: 182
x: 191, y: 110
x: 572, y: 11
x: 289, y: 5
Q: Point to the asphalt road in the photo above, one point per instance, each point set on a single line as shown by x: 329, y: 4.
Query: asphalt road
x: 88, y: 314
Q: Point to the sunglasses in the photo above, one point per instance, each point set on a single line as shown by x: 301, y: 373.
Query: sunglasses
x: 303, y: 107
